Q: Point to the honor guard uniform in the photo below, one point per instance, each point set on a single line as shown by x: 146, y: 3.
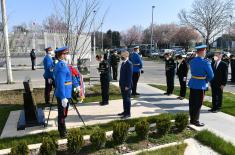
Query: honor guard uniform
x: 137, y: 69
x: 170, y: 66
x: 115, y: 59
x: 63, y: 91
x: 201, y: 74
x: 104, y: 79
x: 48, y: 74
x: 232, y: 65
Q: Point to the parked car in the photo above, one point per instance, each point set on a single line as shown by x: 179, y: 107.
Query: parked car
x: 154, y: 54
x: 163, y: 51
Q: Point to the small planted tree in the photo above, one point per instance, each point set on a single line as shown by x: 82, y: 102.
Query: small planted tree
x: 120, y: 132
x: 98, y: 138
x: 163, y: 124
x: 48, y: 147
x: 142, y: 129
x: 75, y: 140
x: 181, y: 121
x: 20, y: 149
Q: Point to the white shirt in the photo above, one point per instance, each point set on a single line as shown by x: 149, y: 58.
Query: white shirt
x: 217, y: 63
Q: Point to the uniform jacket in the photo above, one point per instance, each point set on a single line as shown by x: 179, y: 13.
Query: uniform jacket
x: 200, y: 68
x: 48, y: 67
x: 126, y: 72
x: 32, y: 55
x: 115, y: 59
x: 63, y: 80
x: 220, y: 74
x: 170, y: 65
x: 136, y: 59
x: 182, y: 69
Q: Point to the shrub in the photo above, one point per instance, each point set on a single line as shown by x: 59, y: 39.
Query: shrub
x: 163, y: 124
x: 120, y: 132
x: 181, y: 121
x: 20, y: 149
x: 48, y: 147
x: 75, y: 140
x: 142, y: 129
x: 98, y: 138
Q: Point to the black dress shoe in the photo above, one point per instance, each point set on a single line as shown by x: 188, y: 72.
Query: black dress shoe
x: 215, y: 111
x: 198, y: 124
x: 137, y: 93
x: 120, y: 114
x: 211, y: 110
x: 165, y: 93
x: 125, y: 116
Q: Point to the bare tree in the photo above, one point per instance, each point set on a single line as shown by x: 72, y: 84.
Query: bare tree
x: 208, y: 17
x: 78, y: 17
x: 132, y: 35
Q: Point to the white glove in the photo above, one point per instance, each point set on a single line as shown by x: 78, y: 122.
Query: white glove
x: 185, y: 78
x: 78, y: 89
x: 50, y: 81
x: 64, y: 102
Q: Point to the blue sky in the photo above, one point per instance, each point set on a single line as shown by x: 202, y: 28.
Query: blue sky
x: 122, y: 14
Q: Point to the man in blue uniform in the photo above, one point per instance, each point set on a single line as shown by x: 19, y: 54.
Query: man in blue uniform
x: 201, y: 74
x: 63, y: 91
x: 137, y: 68
x: 48, y: 73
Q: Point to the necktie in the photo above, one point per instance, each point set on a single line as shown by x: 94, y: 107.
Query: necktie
x: 215, y: 65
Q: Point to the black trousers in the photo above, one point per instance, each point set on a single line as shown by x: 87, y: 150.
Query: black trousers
x: 33, y: 61
x: 126, y: 96
x: 182, y: 86
x: 104, y: 80
x: 217, y: 97
x: 115, y: 71
x: 232, y: 74
x: 62, y: 114
x: 195, y: 102
x: 48, y: 88
x: 135, y: 79
x: 170, y: 76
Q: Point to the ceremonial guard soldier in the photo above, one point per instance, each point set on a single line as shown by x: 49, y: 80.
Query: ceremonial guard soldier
x: 104, y: 78
x: 182, y: 72
x: 201, y: 74
x: 48, y: 73
x: 115, y: 59
x: 170, y: 66
x: 63, y: 91
x: 137, y: 68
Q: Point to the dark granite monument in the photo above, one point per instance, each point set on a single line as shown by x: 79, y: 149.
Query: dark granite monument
x: 31, y: 115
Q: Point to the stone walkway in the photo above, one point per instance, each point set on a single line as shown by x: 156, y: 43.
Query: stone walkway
x: 151, y: 102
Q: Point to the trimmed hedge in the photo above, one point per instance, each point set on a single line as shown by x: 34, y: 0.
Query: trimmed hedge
x: 75, y: 140
x: 163, y: 124
x: 120, y: 132
x: 142, y: 129
x: 181, y: 121
x: 98, y: 138
x: 20, y: 149
x: 48, y: 147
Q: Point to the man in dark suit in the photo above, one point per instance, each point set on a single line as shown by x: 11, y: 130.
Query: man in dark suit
x: 125, y: 83
x: 182, y: 72
x: 220, y: 69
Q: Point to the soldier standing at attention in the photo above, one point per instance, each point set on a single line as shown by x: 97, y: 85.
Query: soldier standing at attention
x: 201, y: 74
x: 48, y: 74
x: 137, y: 69
x: 115, y: 59
x: 104, y: 78
x: 33, y: 58
x: 170, y: 73
x: 232, y: 65
x: 63, y: 91
x: 182, y: 72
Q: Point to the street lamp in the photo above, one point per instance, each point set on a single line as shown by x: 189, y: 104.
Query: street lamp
x: 229, y: 32
x: 152, y: 28
x: 94, y: 48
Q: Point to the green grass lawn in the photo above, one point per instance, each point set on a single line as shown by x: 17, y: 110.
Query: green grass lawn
x: 13, y: 99
x: 228, y: 105
x: 171, y: 150
x: 215, y: 142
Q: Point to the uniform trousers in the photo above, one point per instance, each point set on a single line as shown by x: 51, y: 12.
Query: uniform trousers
x: 104, y: 80
x: 182, y: 86
x: 48, y: 88
x: 195, y: 102
x: 217, y: 97
x: 62, y: 114
x: 126, y: 96
x: 115, y: 68
x: 170, y: 76
x: 135, y: 79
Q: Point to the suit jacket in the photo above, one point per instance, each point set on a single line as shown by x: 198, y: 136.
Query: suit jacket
x: 182, y: 69
x: 220, y: 74
x: 126, y: 72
